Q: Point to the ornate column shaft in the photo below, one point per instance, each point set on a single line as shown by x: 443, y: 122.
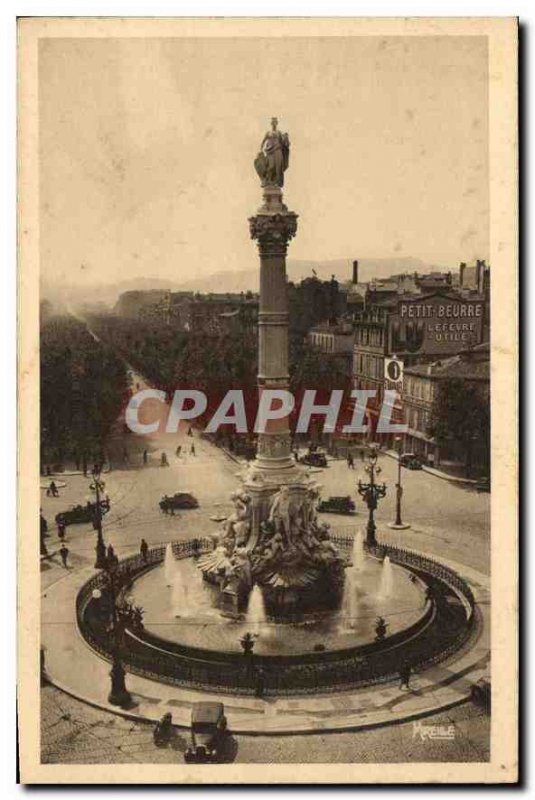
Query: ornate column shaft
x: 273, y: 227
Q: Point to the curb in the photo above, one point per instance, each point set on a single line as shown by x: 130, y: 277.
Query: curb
x: 435, y: 472
x: 244, y: 730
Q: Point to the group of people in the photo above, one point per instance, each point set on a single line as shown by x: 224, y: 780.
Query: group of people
x: 43, y: 531
x: 164, y: 461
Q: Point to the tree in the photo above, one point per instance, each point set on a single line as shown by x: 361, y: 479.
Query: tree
x: 461, y: 412
x: 84, y: 386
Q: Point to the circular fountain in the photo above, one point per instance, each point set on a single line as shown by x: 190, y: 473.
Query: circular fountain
x: 396, y: 606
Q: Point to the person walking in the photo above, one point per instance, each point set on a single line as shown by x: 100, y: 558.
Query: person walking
x: 145, y: 458
x: 163, y: 460
x: 190, y: 431
x: 43, y: 532
x: 52, y: 490
x: 178, y: 450
x: 61, y: 530
x: 350, y: 460
x: 64, y: 552
x: 260, y: 682
x: 144, y: 549
x: 192, y: 449
x: 404, y: 675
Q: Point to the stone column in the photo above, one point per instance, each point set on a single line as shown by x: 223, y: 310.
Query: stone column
x: 273, y: 227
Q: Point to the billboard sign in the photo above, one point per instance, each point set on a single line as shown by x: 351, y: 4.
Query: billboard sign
x: 439, y: 324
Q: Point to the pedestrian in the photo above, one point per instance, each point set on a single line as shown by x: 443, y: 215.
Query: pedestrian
x: 192, y: 449
x: 52, y: 490
x: 178, y: 450
x: 163, y: 460
x: 64, y: 552
x: 190, y: 431
x: 144, y: 549
x: 296, y: 456
x: 145, y: 457
x: 61, y: 530
x: 42, y: 533
x: 350, y: 461
x: 260, y: 682
x: 404, y: 675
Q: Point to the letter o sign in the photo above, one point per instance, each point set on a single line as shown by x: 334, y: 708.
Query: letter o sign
x: 393, y: 371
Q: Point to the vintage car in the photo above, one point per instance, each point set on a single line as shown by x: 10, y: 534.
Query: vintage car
x: 178, y: 500
x: 79, y: 513
x: 337, y: 505
x: 410, y: 460
x: 314, y: 459
x: 208, y: 727
x: 481, y: 693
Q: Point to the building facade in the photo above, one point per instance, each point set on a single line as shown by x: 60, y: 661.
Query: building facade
x: 421, y: 386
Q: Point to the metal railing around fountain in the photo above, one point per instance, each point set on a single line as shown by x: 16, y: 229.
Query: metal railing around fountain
x: 327, y: 671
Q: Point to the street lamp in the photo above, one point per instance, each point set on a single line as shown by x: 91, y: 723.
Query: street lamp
x: 371, y: 493
x: 398, y: 524
x: 98, y: 486
x: 119, y: 694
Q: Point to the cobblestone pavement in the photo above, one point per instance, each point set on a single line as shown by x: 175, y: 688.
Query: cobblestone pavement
x: 75, y: 733
x: 447, y: 520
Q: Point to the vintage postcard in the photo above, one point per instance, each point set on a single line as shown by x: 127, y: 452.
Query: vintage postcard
x: 268, y: 276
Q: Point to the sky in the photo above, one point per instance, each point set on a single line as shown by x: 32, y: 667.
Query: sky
x: 147, y: 150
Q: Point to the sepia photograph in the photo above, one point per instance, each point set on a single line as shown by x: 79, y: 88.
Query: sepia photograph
x: 268, y: 286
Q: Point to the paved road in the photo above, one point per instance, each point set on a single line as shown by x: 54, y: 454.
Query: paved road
x: 74, y: 733
x: 446, y: 518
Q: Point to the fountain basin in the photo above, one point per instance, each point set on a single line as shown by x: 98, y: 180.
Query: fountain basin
x: 202, y: 624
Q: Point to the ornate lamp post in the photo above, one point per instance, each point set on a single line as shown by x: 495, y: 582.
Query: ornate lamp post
x: 98, y: 486
x: 371, y: 493
x: 119, y: 694
x: 398, y: 524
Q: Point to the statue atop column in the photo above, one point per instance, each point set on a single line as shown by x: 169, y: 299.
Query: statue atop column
x: 274, y: 156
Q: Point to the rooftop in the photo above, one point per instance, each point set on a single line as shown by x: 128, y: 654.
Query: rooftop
x: 469, y: 365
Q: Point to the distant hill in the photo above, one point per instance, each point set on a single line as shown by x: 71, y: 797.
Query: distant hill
x: 298, y: 269
x: 236, y: 281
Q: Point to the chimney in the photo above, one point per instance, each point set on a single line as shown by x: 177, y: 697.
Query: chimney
x: 355, y: 272
x: 462, y: 267
x: 480, y: 271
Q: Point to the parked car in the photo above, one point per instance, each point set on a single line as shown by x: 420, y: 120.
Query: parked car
x: 314, y: 459
x: 337, y: 505
x: 482, y: 485
x: 79, y: 513
x: 208, y: 727
x: 178, y: 500
x: 411, y: 461
x: 481, y: 694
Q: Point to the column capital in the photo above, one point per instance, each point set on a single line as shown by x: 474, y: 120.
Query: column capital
x: 273, y: 232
